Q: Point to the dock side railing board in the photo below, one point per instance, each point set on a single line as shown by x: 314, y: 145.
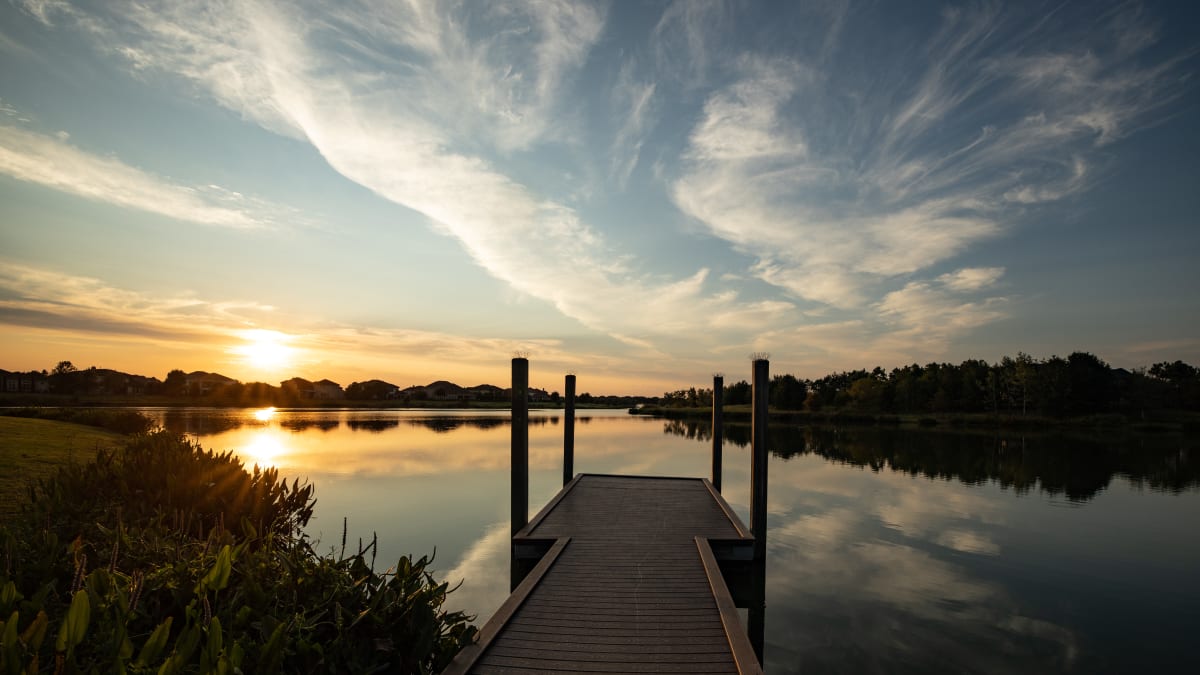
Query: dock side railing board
x: 526, y: 532
x: 739, y: 639
x: 466, y: 658
x: 741, y: 528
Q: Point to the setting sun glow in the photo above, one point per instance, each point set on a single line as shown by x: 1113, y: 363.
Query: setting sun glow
x: 266, y: 350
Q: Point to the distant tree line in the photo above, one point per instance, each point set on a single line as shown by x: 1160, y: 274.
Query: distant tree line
x: 1080, y: 384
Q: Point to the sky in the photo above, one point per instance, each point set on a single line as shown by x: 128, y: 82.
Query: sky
x: 639, y: 193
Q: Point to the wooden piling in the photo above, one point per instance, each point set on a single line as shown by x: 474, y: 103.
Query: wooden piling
x: 520, y: 444
x: 758, y: 467
x: 717, y: 428
x: 569, y: 432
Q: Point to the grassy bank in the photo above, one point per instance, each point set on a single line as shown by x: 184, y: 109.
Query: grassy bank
x: 34, y: 448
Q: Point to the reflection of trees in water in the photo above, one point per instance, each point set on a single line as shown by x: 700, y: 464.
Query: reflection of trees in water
x: 302, y: 424
x: 1079, y: 468
x: 198, y: 423
x: 207, y: 422
x: 374, y: 426
x: 444, y: 425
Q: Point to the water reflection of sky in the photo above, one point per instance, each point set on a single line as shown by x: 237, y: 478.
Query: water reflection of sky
x: 868, y: 571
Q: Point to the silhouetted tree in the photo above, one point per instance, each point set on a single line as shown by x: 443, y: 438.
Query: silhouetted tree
x: 1091, y: 383
x: 1183, y: 384
x: 738, y: 393
x: 175, y: 383
x: 787, y: 392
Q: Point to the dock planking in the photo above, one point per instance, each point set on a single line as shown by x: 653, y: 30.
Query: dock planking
x: 629, y: 584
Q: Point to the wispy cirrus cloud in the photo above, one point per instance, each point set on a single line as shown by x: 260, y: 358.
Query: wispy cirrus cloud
x: 933, y: 312
x: 840, y: 181
x: 44, y: 298
x: 633, y: 101
x: 920, y: 320
x: 51, y: 161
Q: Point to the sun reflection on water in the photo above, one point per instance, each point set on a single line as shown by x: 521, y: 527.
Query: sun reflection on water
x: 265, y: 448
x: 265, y: 414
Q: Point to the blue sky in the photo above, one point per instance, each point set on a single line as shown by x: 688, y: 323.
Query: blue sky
x: 640, y: 193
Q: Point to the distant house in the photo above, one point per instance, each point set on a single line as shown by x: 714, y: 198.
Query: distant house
x: 298, y: 387
x: 32, y: 382
x: 201, y: 383
x: 10, y: 382
x: 538, y: 395
x: 327, y: 389
x: 487, y: 392
x: 440, y: 390
x: 135, y: 384
x: 372, y: 390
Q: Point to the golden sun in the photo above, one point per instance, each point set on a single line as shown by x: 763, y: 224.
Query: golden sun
x: 266, y: 350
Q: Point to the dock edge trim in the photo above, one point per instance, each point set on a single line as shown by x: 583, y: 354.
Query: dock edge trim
x: 739, y: 641
x: 465, y: 659
x: 743, y: 531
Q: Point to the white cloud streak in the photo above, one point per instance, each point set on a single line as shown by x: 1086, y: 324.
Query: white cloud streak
x: 52, y: 162
x: 634, y: 100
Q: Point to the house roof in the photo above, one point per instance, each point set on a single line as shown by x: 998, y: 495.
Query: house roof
x: 211, y: 377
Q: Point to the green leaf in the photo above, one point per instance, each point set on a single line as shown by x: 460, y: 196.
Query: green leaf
x: 272, y: 652
x: 214, y: 638
x: 9, y: 596
x: 75, y: 626
x: 154, y: 644
x: 8, y: 632
x: 218, y: 577
x: 35, y: 634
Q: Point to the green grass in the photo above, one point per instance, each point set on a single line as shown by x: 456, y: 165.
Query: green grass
x: 32, y: 448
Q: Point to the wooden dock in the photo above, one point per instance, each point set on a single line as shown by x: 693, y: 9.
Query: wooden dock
x: 619, y: 574
x: 628, y: 583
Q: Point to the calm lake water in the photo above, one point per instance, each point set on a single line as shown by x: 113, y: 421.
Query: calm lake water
x: 888, y: 550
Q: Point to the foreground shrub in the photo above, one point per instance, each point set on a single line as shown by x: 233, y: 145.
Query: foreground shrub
x: 162, y: 557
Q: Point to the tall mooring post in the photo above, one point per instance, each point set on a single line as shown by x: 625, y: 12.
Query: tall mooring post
x: 758, y: 467
x: 718, y: 431
x: 569, y: 432
x: 520, y: 444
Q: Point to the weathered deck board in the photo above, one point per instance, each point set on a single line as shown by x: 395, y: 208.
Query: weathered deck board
x: 628, y: 593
